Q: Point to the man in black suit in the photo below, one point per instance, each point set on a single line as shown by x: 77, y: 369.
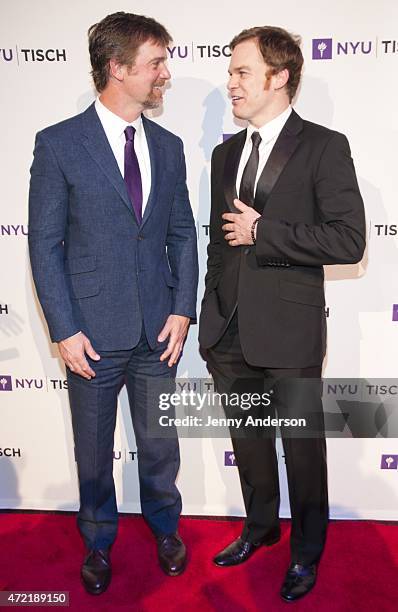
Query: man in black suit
x: 263, y: 319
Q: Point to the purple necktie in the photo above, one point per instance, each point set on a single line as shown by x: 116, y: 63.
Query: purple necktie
x: 132, y: 174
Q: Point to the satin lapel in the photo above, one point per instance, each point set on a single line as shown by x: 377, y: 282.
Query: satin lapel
x: 156, y: 153
x: 96, y: 143
x: 231, y: 169
x: 286, y: 144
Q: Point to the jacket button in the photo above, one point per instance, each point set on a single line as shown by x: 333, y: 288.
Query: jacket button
x: 139, y: 237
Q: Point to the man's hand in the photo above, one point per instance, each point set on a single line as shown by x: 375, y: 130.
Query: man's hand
x: 73, y: 351
x: 240, y: 224
x: 176, y: 329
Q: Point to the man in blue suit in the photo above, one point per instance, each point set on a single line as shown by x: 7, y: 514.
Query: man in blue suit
x: 114, y: 258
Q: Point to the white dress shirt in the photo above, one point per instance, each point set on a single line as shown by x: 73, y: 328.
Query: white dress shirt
x: 269, y: 134
x: 114, y: 127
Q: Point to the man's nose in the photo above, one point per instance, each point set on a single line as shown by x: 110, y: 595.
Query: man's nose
x: 165, y: 74
x: 231, y: 83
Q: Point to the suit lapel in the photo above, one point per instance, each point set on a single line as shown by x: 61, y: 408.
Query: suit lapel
x: 155, y: 155
x: 282, y: 151
x: 97, y: 145
x: 231, y: 169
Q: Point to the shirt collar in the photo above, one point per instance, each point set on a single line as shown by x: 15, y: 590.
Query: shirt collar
x: 272, y: 129
x: 114, y: 125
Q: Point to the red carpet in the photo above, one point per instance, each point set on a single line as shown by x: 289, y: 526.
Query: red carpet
x: 359, y: 570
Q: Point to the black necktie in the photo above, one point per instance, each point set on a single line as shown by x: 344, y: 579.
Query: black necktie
x: 246, y: 189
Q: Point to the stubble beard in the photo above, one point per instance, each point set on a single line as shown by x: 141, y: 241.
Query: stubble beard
x: 150, y: 103
x: 153, y: 100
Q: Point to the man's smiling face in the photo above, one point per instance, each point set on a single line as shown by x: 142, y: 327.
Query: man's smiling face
x: 249, y: 86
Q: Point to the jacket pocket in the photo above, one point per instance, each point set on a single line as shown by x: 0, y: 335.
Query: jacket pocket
x: 77, y: 265
x: 169, y: 278
x: 301, y: 293
x: 83, y: 276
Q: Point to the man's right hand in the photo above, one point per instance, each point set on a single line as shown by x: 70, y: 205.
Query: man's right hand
x: 73, y: 351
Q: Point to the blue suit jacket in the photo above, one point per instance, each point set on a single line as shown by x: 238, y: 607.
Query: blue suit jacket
x: 94, y: 267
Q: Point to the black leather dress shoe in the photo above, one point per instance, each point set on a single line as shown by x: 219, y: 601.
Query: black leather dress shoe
x: 298, y: 582
x: 240, y: 551
x: 172, y: 554
x: 96, y: 571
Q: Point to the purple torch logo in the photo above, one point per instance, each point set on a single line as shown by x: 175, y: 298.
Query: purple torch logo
x: 322, y: 48
x: 389, y: 462
x: 5, y: 383
x: 229, y: 458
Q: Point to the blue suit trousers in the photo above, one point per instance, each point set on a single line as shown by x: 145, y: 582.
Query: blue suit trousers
x: 93, y: 406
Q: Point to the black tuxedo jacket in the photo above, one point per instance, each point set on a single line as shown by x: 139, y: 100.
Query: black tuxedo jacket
x: 312, y: 216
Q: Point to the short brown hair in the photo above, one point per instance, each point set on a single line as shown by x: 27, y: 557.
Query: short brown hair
x: 118, y: 36
x: 279, y: 49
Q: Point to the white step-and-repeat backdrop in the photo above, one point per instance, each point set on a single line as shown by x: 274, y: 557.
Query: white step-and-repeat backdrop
x: 349, y: 84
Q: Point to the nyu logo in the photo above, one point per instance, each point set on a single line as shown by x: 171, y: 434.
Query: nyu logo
x: 32, y: 384
x: 124, y: 455
x: 354, y: 48
x: 29, y: 383
x: 5, y: 383
x: 322, y: 48
x: 229, y: 458
x: 32, y: 55
x: 192, y: 51
x: 179, y: 51
x: 6, y: 55
x: 395, y: 312
x: 389, y: 462
x: 13, y: 230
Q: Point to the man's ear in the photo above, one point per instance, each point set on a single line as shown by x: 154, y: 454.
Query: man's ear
x: 116, y: 70
x: 281, y: 78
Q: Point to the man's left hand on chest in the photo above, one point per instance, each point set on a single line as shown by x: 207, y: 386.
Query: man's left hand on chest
x: 238, y: 229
